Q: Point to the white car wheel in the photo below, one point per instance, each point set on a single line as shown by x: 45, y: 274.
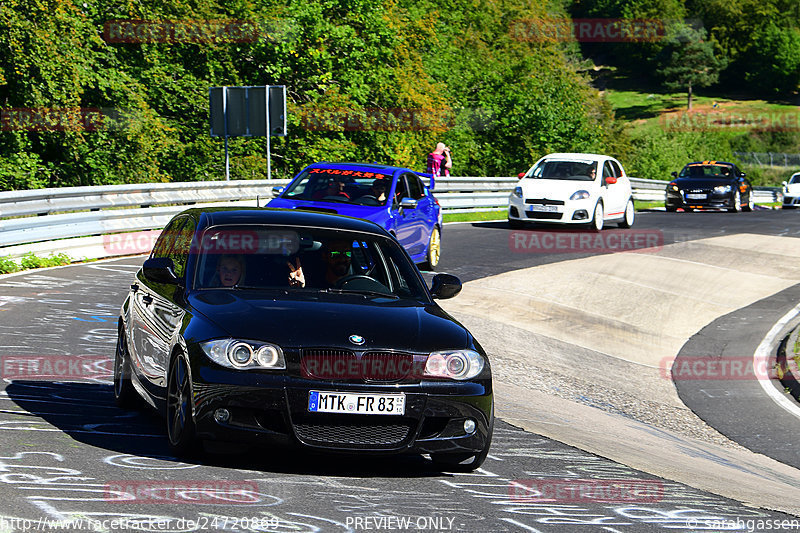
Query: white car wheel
x: 630, y: 214
x: 597, y: 221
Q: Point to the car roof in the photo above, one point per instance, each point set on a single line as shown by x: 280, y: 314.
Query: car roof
x: 212, y: 216
x: 575, y: 155
x: 384, y: 169
x: 703, y: 163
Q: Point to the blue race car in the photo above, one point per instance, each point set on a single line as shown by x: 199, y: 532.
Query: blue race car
x: 393, y: 197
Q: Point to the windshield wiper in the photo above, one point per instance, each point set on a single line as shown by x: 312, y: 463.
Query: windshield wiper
x: 362, y: 292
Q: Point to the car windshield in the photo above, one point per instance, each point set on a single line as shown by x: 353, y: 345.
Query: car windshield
x: 360, y: 187
x: 706, y: 171
x: 260, y: 257
x: 795, y: 179
x: 565, y: 170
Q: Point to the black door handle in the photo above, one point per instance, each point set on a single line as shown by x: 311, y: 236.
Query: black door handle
x: 134, y: 287
x: 147, y: 299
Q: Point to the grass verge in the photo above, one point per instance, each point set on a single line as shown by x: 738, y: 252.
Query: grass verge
x: 29, y: 261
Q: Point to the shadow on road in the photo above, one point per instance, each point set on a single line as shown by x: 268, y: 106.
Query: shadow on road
x: 86, y: 412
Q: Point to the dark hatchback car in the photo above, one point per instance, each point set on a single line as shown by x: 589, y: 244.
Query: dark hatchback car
x: 710, y: 185
x: 282, y: 327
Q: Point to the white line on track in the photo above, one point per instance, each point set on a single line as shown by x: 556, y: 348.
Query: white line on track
x: 762, y: 356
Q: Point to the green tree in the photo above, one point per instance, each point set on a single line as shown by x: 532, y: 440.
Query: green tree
x: 692, y: 62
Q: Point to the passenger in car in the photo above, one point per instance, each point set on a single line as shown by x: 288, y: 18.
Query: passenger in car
x: 230, y: 270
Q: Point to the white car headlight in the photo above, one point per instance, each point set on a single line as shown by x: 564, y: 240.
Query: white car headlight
x: 722, y: 189
x: 454, y: 364
x: 579, y: 195
x: 518, y: 192
x: 238, y: 354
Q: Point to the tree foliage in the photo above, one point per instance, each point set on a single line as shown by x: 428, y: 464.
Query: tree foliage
x: 454, y: 66
x: 691, y: 63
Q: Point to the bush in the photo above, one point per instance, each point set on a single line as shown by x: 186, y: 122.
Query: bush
x: 8, y: 265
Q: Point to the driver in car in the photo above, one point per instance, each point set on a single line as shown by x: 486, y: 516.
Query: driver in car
x: 337, y: 256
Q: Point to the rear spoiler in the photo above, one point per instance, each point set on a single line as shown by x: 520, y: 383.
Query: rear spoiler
x: 429, y: 177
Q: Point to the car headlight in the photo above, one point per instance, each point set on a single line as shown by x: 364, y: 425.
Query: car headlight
x: 518, y: 192
x: 454, y: 364
x: 579, y: 195
x: 234, y: 353
x: 722, y: 189
x: 673, y: 187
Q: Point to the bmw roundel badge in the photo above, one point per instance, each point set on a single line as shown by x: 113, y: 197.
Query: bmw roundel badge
x: 357, y: 339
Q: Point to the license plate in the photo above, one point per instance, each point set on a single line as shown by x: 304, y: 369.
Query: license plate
x: 696, y: 196
x: 356, y: 404
x: 544, y: 208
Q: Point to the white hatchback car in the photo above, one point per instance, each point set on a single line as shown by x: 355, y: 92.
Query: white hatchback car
x: 791, y: 192
x: 573, y: 189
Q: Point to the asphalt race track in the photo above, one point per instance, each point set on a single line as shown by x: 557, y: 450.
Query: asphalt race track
x: 68, y: 454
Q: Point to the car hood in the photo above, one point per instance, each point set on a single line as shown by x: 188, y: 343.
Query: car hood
x: 367, y: 212
x: 554, y: 189
x: 705, y: 183
x: 328, y: 320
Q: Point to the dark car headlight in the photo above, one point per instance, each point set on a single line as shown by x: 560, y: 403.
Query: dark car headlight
x: 518, y: 192
x: 454, y: 364
x: 580, y: 195
x: 238, y: 354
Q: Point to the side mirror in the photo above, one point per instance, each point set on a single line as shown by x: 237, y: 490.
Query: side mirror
x: 160, y: 270
x: 520, y: 175
x: 611, y: 180
x: 785, y: 185
x: 674, y: 174
x: 277, y: 190
x: 408, y: 203
x: 444, y: 286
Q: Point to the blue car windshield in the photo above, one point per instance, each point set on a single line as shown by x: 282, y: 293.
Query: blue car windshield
x: 340, y: 186
x: 257, y: 257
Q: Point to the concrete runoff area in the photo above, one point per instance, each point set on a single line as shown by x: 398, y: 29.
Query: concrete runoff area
x: 615, y: 322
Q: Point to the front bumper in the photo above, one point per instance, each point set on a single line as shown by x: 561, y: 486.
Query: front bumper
x: 272, y: 409
x: 676, y: 199
x: 791, y: 201
x: 563, y: 212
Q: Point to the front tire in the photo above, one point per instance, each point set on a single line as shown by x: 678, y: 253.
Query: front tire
x: 434, y: 250
x: 180, y: 424
x: 630, y: 214
x: 597, y: 222
x: 124, y: 394
x: 737, y: 203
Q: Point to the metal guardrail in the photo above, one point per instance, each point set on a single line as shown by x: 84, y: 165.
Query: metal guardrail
x: 42, y: 215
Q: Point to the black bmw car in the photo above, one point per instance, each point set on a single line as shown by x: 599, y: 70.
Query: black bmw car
x: 284, y: 327
x: 709, y: 185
